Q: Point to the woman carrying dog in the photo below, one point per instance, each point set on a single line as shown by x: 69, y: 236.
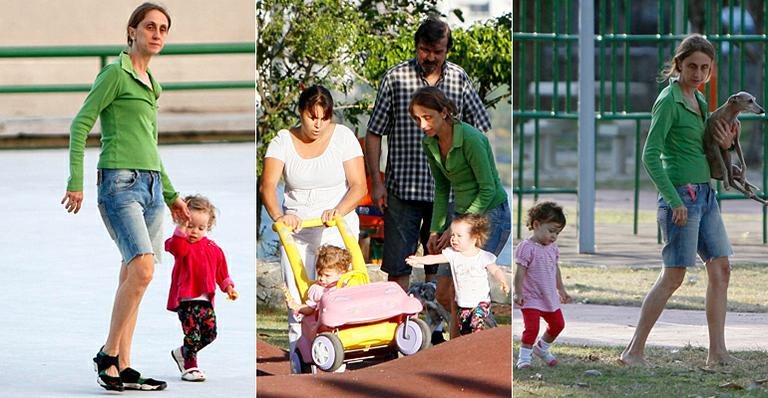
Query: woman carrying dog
x: 688, y: 213
x: 133, y: 186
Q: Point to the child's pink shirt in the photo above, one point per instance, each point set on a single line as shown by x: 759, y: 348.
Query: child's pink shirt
x: 540, y: 284
x: 316, y: 292
x: 197, y: 269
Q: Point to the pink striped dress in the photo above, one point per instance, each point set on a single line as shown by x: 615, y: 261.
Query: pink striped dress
x: 540, y: 284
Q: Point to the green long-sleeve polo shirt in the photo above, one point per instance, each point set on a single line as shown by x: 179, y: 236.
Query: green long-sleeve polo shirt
x: 469, y: 169
x: 127, y: 109
x: 674, y: 151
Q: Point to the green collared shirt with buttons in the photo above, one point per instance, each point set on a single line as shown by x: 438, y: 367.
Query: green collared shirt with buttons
x: 469, y: 168
x: 127, y: 109
x: 674, y: 151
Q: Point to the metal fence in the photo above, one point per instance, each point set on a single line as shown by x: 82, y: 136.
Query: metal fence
x: 633, y: 39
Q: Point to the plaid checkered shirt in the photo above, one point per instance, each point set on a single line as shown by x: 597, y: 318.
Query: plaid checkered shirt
x: 407, y: 174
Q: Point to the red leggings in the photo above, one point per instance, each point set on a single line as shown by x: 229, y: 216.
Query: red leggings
x: 554, y: 319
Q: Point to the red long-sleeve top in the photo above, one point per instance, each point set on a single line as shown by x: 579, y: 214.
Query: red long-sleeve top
x: 197, y: 269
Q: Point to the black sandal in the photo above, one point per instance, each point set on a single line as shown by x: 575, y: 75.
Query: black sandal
x: 132, y: 380
x: 102, y: 362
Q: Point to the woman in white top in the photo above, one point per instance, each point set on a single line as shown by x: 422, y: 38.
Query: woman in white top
x: 321, y: 163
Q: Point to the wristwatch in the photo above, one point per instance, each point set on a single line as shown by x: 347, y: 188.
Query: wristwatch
x: 516, y: 297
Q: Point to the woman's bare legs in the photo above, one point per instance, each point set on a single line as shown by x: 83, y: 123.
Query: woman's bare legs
x: 134, y: 279
x: 718, y: 274
x: 653, y: 304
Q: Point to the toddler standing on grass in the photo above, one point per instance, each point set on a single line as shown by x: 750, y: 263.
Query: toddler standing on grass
x: 539, y: 289
x: 198, y: 267
x: 470, y: 266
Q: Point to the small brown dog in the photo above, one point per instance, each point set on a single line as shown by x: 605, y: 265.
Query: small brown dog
x: 720, y: 166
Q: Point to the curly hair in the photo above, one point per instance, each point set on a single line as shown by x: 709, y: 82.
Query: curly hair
x: 545, y: 212
x: 478, y: 226
x: 332, y: 257
x: 201, y: 203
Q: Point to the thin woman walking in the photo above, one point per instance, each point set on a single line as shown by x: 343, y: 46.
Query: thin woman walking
x: 132, y: 184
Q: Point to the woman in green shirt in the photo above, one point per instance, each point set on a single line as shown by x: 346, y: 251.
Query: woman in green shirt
x: 133, y: 187
x: 461, y: 159
x: 688, y: 212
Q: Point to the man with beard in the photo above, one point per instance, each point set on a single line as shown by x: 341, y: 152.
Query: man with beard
x: 407, y: 194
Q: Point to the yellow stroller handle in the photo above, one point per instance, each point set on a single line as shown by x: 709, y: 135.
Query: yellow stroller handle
x: 297, y: 265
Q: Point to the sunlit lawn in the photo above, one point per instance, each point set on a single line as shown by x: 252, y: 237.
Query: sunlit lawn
x: 680, y: 372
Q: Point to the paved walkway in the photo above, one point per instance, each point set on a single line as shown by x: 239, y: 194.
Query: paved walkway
x: 617, y: 246
x: 613, y: 326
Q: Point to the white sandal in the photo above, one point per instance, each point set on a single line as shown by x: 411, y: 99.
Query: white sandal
x: 193, y: 374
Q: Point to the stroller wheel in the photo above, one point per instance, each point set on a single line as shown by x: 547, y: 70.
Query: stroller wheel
x: 412, y: 336
x: 327, y: 352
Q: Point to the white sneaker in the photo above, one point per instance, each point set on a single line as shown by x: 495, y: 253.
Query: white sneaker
x: 545, y: 355
x: 178, y: 358
x: 523, y: 363
x: 193, y: 374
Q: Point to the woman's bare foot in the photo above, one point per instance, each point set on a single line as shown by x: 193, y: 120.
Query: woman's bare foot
x: 725, y: 359
x: 632, y: 360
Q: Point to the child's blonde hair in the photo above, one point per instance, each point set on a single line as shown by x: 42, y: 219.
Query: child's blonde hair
x: 201, y: 203
x: 545, y: 212
x: 332, y: 257
x: 478, y: 226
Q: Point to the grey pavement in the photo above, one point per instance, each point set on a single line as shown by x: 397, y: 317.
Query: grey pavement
x: 60, y: 272
x: 187, y: 123
x: 616, y: 245
x: 613, y: 326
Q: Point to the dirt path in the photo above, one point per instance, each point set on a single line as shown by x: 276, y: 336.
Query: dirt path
x: 478, y: 365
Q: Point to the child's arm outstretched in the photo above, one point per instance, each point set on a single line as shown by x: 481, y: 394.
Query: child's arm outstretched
x: 520, y: 274
x: 498, y: 273
x: 564, y: 297
x: 426, y: 260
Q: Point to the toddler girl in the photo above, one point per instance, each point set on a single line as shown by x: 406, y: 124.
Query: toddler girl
x: 198, y: 267
x: 539, y: 288
x: 332, y: 263
x: 469, y: 264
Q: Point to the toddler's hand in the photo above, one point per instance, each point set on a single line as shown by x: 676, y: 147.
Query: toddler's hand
x: 504, y: 287
x: 232, y: 294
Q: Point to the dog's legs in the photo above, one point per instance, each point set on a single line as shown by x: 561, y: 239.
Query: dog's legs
x: 720, y: 154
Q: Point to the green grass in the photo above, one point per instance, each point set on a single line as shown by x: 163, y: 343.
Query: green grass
x: 627, y: 286
x: 272, y: 324
x: 677, y: 372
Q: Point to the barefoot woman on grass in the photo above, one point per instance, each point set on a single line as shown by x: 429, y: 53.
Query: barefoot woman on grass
x: 688, y: 214
x: 132, y: 183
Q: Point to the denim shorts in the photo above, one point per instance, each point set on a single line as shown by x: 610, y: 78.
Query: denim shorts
x: 704, y: 232
x: 500, y: 228
x: 131, y: 206
x: 406, y: 223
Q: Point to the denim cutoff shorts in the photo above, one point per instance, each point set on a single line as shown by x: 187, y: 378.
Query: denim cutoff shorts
x: 704, y: 232
x: 131, y: 206
x: 500, y: 228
